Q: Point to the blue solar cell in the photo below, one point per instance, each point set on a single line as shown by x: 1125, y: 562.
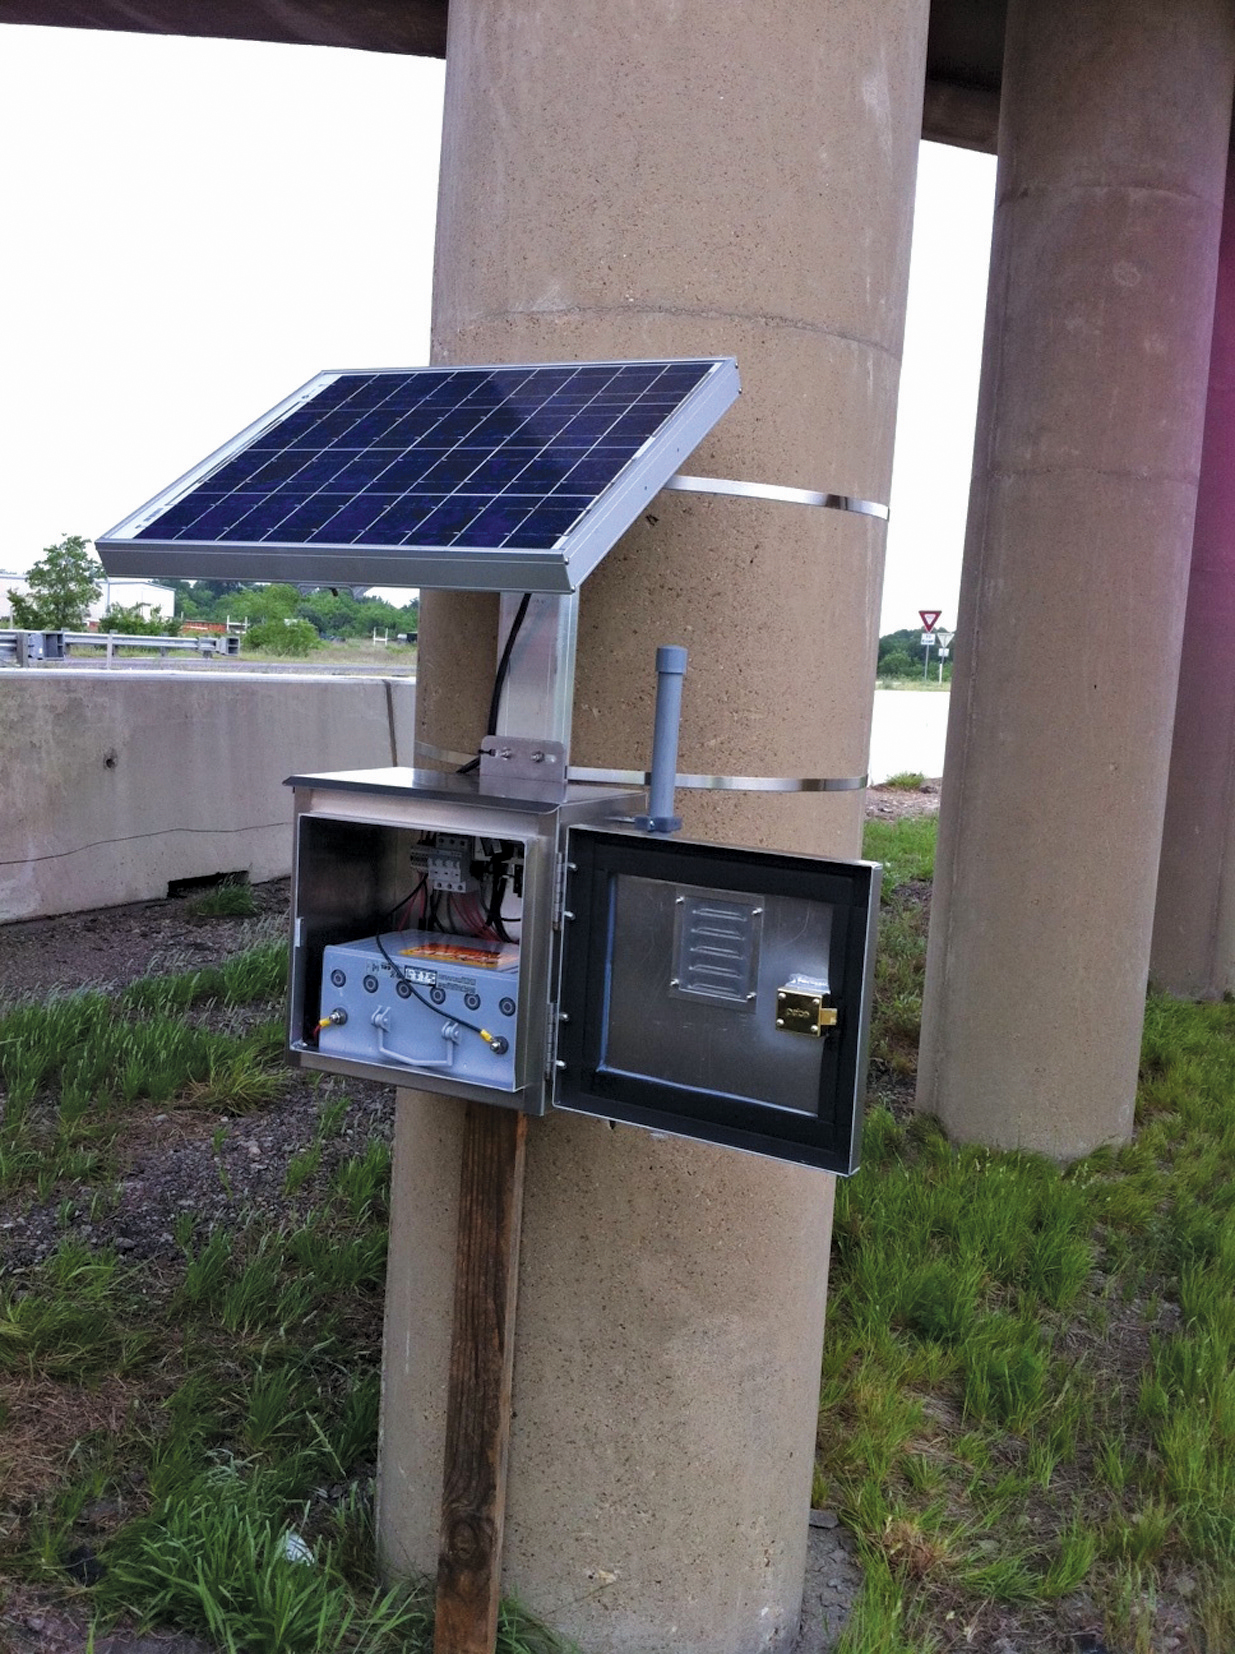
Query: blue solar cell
x: 441, y: 526
x: 545, y: 471
x: 403, y: 469
x: 370, y: 429
x: 236, y: 473
x: 583, y: 430
x: 450, y: 471
x: 353, y: 519
x: 361, y: 469
x: 173, y: 522
x: 294, y: 522
x: 598, y: 468
x: 634, y: 425
x: 497, y: 471
x: 304, y: 470
x: 544, y: 526
x: 219, y: 515
x: 494, y: 525
x: 494, y: 429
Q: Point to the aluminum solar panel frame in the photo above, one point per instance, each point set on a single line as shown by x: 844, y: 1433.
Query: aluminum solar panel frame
x: 506, y: 477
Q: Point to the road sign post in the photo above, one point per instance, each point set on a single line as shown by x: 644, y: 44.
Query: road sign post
x: 929, y: 619
x: 944, y: 641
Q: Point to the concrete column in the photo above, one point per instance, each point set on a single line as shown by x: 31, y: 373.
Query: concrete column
x: 1194, y: 921
x: 626, y: 181
x: 1113, y: 143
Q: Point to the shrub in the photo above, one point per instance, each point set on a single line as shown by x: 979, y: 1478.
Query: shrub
x: 132, y: 621
x: 282, y: 637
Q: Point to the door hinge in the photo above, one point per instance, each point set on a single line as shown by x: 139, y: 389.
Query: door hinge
x: 551, y: 1061
x: 559, y: 890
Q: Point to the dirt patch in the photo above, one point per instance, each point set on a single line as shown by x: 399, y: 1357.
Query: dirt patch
x: 894, y: 803
x: 113, y: 946
x: 42, y: 1420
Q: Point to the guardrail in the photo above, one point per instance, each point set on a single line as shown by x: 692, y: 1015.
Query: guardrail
x: 23, y: 648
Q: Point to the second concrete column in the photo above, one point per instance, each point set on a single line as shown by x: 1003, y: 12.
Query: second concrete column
x: 1194, y: 922
x: 1112, y: 145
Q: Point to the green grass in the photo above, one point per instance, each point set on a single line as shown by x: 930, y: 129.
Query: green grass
x: 230, y: 899
x: 907, y: 850
x: 247, y: 1368
x: 1027, y: 1403
x: 905, y: 781
x: 72, y: 1068
x: 1028, y: 1394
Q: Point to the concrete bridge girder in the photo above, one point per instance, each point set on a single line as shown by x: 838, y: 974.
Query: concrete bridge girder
x: 964, y: 52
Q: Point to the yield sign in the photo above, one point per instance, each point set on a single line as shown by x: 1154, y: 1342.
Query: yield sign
x: 930, y: 618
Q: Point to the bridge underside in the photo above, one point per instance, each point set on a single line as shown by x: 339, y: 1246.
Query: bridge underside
x: 964, y: 52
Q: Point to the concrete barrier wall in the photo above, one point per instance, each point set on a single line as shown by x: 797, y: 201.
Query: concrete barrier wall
x: 112, y: 784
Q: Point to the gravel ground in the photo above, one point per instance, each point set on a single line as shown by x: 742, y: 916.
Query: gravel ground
x: 116, y: 945
x: 169, y: 1160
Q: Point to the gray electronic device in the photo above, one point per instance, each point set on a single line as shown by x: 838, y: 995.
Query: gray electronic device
x: 425, y: 1004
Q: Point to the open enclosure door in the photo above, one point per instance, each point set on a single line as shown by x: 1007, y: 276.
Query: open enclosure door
x: 717, y: 993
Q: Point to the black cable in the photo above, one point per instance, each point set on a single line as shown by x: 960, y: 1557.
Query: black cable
x: 499, y: 680
x: 410, y: 897
x: 496, y: 1042
x: 497, y: 892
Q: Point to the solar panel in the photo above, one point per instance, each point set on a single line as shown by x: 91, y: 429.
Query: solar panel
x: 501, y: 478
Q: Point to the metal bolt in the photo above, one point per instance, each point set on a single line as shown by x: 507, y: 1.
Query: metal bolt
x: 566, y: 914
x: 538, y: 758
x: 559, y: 1063
x: 675, y: 982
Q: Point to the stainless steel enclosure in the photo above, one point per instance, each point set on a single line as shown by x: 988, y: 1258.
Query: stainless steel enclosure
x: 356, y: 836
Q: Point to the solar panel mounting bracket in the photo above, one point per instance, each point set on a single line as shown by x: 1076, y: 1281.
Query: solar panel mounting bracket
x: 523, y: 758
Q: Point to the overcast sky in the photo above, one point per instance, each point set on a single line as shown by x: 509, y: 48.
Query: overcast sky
x: 194, y: 228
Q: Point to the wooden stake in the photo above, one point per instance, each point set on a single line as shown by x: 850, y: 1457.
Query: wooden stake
x: 469, y: 1566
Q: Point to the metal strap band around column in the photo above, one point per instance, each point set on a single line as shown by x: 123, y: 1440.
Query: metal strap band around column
x: 772, y: 491
x: 701, y: 783
x: 727, y: 783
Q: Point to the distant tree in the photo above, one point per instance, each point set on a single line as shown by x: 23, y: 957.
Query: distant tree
x: 257, y: 604
x: 63, y: 584
x: 908, y: 641
x: 897, y: 664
